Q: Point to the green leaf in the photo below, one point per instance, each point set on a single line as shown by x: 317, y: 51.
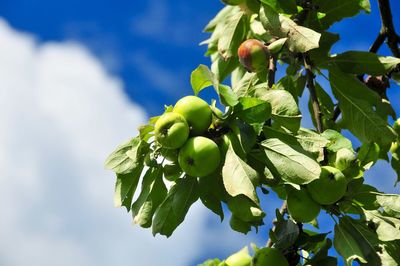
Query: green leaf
x: 173, y: 209
x: 336, y: 10
x: 238, y: 225
x: 285, y: 111
x: 360, y: 62
x: 219, y: 18
x: 292, y: 165
x: 387, y: 228
x: 277, y: 45
x: 118, y: 160
x: 390, y: 204
x: 336, y: 141
x: 223, y: 67
x: 233, y: 34
x: 321, y: 55
x: 153, y: 192
x: 395, y: 161
x: 368, y: 154
x: 253, y: 110
x: 326, y: 107
x: 245, y: 86
x: 350, y: 242
x: 210, y: 262
x: 357, y: 105
x: 211, y: 190
x: 125, y: 187
x: 287, y: 6
x: 294, y: 84
x: 248, y: 211
x: 201, y: 78
x: 285, y: 234
x: 227, y: 96
x: 238, y: 177
x: 300, y: 39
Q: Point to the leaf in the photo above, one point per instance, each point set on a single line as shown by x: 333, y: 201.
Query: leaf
x: 321, y: 55
x: 387, y: 228
x: 395, y: 161
x: 253, y: 110
x: 300, y: 39
x: 285, y: 111
x: 368, y: 154
x: 336, y: 141
x: 227, y: 96
x: 238, y: 177
x: 125, y: 187
x: 223, y: 67
x: 211, y: 190
x: 357, y: 105
x: 360, y: 62
x: 248, y: 211
x: 277, y: 45
x: 285, y: 234
x: 287, y: 6
x: 210, y: 262
x: 173, y: 209
x: 390, y: 204
x: 292, y: 165
x: 245, y: 87
x: 118, y: 160
x: 201, y: 78
x: 233, y: 31
x: 336, y: 10
x: 153, y: 192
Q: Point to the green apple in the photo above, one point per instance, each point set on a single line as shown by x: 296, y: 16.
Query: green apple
x: 197, y: 113
x: 253, y: 55
x: 171, y: 130
x: 241, y: 258
x: 344, y: 159
x: 269, y: 257
x: 301, y: 207
x: 396, y: 126
x: 199, y: 156
x: 329, y: 187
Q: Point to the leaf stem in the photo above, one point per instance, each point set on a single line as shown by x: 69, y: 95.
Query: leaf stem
x: 271, y: 71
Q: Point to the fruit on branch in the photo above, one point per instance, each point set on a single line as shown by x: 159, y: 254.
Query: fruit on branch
x: 199, y: 156
x: 344, y: 159
x: 241, y: 258
x: 171, y: 130
x: 396, y: 126
x: 269, y: 257
x: 253, y: 55
x: 329, y: 187
x: 197, y: 113
x: 301, y: 207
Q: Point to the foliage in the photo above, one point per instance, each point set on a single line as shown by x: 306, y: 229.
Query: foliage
x: 263, y: 144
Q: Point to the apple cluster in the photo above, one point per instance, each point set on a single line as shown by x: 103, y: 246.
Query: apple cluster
x: 180, y: 133
x: 305, y: 204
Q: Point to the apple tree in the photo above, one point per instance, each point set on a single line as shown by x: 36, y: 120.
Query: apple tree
x: 252, y: 139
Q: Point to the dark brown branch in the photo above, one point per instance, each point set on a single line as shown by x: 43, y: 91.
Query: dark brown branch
x: 313, y: 94
x: 388, y: 27
x: 271, y: 71
x: 378, y: 42
x: 282, y: 211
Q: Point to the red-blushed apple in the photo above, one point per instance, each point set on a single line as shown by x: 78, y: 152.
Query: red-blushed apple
x: 253, y: 55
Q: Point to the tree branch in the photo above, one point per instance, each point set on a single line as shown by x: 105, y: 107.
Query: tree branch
x: 313, y: 94
x: 388, y: 27
x: 271, y: 71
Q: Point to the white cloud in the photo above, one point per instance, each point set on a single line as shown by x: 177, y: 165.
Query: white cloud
x: 61, y: 113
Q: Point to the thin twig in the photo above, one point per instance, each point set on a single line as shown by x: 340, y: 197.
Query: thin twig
x: 271, y: 71
x: 378, y: 42
x: 282, y: 211
x: 313, y: 94
x: 388, y: 27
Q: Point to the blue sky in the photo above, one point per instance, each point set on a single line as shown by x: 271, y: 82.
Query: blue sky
x: 76, y: 79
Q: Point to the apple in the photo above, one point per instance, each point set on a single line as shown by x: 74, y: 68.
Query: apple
x: 171, y: 130
x: 269, y: 257
x: 396, y: 126
x: 253, y: 55
x: 344, y: 159
x: 197, y: 113
x: 199, y: 156
x: 329, y: 187
x: 241, y: 258
x: 301, y: 207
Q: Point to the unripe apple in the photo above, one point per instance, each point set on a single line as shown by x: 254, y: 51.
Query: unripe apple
x: 233, y: 2
x: 241, y: 258
x: 269, y: 257
x: 171, y: 130
x: 199, y: 156
x: 329, y: 187
x: 253, y: 55
x: 301, y: 207
x: 396, y: 126
x: 197, y: 113
x: 344, y: 159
